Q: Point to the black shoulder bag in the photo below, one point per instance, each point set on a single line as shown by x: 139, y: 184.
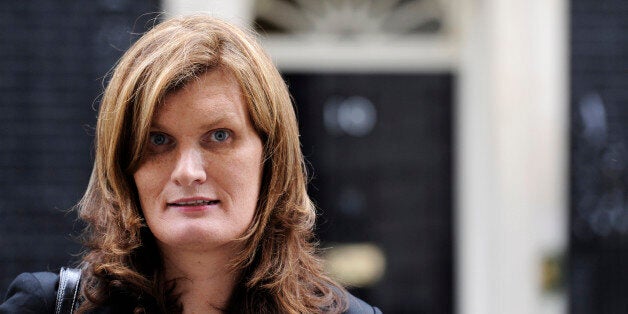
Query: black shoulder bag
x: 67, y: 294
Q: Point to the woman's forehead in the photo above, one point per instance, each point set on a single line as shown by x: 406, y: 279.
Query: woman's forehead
x: 216, y: 95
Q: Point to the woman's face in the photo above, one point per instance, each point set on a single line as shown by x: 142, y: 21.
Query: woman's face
x: 200, y: 175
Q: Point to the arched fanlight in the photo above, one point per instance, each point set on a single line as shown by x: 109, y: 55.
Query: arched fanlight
x: 349, y: 17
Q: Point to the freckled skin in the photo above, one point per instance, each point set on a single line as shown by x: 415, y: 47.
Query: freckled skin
x: 202, y: 144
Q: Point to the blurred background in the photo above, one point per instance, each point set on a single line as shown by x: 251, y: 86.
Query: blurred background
x: 467, y: 156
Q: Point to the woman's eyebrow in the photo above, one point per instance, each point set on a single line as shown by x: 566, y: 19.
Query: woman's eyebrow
x: 218, y: 121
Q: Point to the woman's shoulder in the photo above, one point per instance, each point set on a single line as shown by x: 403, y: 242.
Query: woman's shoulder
x: 357, y: 306
x: 37, y: 293
x: 31, y: 293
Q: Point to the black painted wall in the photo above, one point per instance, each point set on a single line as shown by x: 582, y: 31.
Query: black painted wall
x: 599, y: 157
x: 389, y: 185
x: 53, y: 56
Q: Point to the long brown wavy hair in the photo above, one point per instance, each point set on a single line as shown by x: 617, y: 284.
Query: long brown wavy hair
x: 280, y: 271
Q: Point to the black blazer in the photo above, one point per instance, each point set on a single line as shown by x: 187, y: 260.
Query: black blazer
x: 36, y: 293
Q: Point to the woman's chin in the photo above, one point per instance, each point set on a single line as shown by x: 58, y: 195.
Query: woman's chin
x: 194, y: 237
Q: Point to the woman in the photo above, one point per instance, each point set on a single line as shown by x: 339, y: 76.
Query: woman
x: 197, y: 201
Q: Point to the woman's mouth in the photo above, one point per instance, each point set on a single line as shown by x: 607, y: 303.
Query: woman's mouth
x: 192, y: 205
x: 195, y: 203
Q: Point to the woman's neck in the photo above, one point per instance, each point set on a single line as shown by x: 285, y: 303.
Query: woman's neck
x: 204, y: 281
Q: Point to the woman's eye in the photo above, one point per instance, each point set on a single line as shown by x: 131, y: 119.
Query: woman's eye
x: 220, y: 135
x: 158, y: 139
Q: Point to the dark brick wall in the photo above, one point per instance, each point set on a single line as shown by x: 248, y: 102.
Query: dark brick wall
x: 53, y: 56
x: 599, y: 157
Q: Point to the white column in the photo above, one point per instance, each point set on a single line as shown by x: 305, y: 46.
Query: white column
x: 239, y: 12
x: 512, y: 111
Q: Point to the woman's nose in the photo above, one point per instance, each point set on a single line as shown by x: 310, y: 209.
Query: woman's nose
x: 189, y: 168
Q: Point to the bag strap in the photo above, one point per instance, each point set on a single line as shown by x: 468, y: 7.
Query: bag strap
x: 69, y: 279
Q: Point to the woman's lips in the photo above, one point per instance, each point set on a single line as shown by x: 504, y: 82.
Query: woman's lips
x: 193, y: 204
